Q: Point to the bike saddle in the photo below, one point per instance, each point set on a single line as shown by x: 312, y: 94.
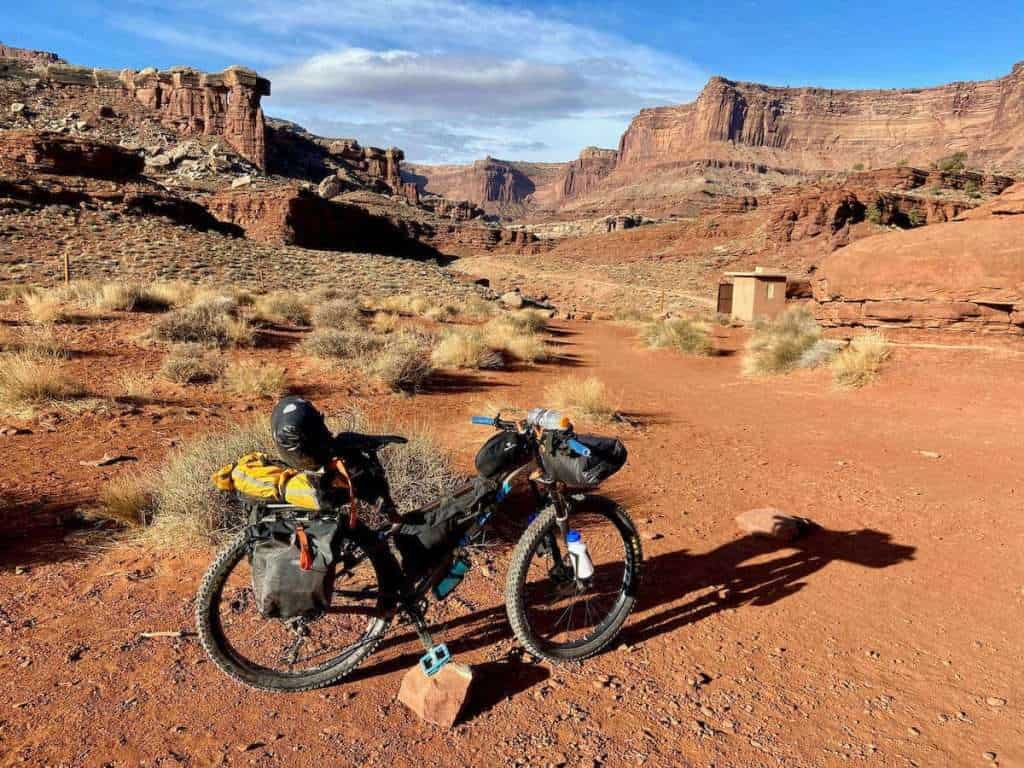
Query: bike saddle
x: 371, y: 442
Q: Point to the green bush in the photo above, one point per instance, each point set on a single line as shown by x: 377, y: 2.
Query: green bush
x: 954, y: 163
x: 916, y: 217
x: 873, y: 213
x: 971, y: 189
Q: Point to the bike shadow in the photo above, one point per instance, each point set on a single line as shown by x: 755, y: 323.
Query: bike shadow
x: 738, y: 573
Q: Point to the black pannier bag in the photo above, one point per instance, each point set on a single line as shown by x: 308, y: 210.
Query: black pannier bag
x: 502, y: 453
x: 283, y: 588
x: 561, y: 463
x: 428, y: 532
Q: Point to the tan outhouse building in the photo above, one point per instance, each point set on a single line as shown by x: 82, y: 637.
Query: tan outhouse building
x: 757, y: 295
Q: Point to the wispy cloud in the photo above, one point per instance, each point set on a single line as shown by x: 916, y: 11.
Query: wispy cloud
x: 445, y: 79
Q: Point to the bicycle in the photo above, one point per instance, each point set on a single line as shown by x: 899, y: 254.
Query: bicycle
x: 560, y: 609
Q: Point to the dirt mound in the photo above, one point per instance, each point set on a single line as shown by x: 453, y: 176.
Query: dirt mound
x: 963, y: 275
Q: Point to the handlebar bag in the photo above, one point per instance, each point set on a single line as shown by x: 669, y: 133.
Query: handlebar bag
x: 501, y: 454
x: 293, y: 566
x: 561, y: 463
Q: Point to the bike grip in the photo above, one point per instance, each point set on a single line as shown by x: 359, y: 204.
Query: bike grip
x: 579, y: 447
x: 486, y: 421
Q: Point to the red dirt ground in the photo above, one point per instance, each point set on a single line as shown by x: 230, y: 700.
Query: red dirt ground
x: 889, y: 638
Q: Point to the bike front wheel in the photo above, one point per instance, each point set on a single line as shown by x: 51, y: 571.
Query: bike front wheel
x: 556, y: 615
x: 295, y: 655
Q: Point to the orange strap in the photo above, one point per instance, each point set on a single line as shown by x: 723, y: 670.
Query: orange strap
x: 305, y: 553
x: 353, y: 503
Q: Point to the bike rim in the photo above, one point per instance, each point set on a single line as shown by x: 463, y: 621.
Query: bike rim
x: 564, y: 613
x: 299, y: 648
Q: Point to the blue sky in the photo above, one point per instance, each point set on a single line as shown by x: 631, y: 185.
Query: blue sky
x: 452, y: 80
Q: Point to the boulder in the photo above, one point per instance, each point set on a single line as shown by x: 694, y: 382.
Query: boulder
x: 330, y: 187
x: 241, y: 181
x: 17, y: 108
x: 438, y: 699
x: 512, y: 300
x: 772, y: 523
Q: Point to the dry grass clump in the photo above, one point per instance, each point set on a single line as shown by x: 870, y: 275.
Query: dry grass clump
x: 860, y: 362
x: 254, y: 379
x: 185, y: 509
x: 283, y: 307
x: 126, y: 297
x: 681, y: 334
x: 134, y: 387
x: 341, y: 344
x: 633, y: 315
x: 581, y: 398
x: 514, y: 339
x: 403, y: 364
x: 191, y: 364
x: 778, y: 346
x: 212, y: 323
x: 384, y: 323
x: 529, y: 320
x: 14, y: 291
x: 466, y: 348
x: 475, y: 308
x: 45, y: 308
x: 418, y: 305
x: 30, y: 381
x: 126, y: 500
x: 337, y: 313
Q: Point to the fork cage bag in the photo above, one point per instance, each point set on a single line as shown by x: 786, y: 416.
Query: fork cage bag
x: 282, y: 588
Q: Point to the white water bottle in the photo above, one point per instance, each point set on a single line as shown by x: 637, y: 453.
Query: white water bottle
x: 581, y: 562
x: 546, y: 418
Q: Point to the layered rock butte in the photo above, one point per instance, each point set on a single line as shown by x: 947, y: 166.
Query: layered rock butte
x: 756, y: 129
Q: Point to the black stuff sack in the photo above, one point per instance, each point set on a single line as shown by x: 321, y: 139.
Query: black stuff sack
x: 564, y: 465
x: 293, y: 567
x: 501, y: 454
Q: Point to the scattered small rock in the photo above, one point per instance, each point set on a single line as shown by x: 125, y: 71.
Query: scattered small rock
x: 20, y: 570
x: 17, y: 108
x: 990, y: 756
x: 930, y: 454
x: 7, y: 431
x: 241, y: 181
x: 995, y: 701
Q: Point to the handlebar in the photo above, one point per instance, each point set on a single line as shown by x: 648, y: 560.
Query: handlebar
x: 489, y: 421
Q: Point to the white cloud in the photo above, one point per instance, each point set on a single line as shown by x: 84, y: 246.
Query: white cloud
x: 487, y: 78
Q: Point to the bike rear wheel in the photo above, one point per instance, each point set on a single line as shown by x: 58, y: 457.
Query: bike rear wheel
x: 556, y: 616
x: 295, y: 655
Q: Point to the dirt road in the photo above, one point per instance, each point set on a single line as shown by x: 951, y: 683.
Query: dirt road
x: 891, y: 637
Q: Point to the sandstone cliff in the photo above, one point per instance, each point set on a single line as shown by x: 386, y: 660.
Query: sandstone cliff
x: 816, y: 128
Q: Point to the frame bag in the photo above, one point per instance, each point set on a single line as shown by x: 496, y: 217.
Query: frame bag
x: 607, y: 456
x: 293, y: 567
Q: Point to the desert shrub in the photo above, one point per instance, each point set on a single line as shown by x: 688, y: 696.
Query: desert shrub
x: 403, y: 364
x: 417, y: 304
x: 337, y: 313
x: 14, y: 291
x: 341, y: 344
x: 860, y: 362
x: 125, y: 297
x: 873, y: 213
x: 916, y: 217
x: 778, y: 346
x: 466, y: 348
x: 254, y: 379
x: 188, y: 511
x: 476, y: 308
x: 531, y: 320
x: 126, y: 500
x: 283, y: 307
x: 191, y: 364
x: 81, y: 292
x: 134, y: 386
x: 516, y: 341
x: 971, y: 189
x: 953, y: 163
x: 679, y: 333
x: 45, y: 308
x: 581, y: 398
x: 858, y: 166
x: 40, y: 342
x: 28, y: 382
x: 632, y: 315
x: 211, y: 323
x: 818, y: 354
x: 383, y: 322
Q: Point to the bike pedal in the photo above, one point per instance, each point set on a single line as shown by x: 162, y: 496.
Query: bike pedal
x: 432, y: 661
